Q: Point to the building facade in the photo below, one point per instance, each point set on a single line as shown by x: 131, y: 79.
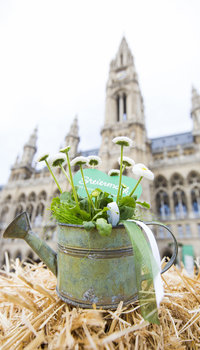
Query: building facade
x: 175, y: 160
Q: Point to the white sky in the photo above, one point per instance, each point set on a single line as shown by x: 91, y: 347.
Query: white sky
x: 54, y: 63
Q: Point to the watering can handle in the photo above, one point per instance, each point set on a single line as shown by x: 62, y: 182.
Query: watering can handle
x: 175, y: 252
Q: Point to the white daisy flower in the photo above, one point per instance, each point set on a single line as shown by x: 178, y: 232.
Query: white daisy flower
x: 79, y: 161
x: 123, y: 141
x: 127, y: 162
x: 58, y: 159
x: 114, y: 172
x: 43, y: 157
x: 94, y: 161
x: 65, y: 149
x: 141, y: 170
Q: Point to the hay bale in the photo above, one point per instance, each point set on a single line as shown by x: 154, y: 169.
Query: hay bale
x: 33, y: 317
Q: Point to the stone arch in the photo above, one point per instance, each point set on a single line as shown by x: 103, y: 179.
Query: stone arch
x: 180, y: 203
x: 8, y: 198
x: 32, y: 197
x: 193, y: 178
x: 42, y: 196
x: 160, y: 182
x: 162, y: 204
x: 176, y: 180
x: 22, y: 197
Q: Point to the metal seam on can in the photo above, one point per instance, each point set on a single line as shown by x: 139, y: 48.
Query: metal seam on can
x: 96, y: 254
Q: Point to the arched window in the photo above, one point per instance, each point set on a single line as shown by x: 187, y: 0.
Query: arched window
x: 195, y: 198
x: 22, y: 197
x: 177, y: 180
x: 162, y: 204
x: 32, y: 197
x: 121, y: 101
x: 193, y: 177
x: 160, y: 181
x: 8, y: 199
x: 180, y: 205
x: 19, y: 210
x: 42, y: 196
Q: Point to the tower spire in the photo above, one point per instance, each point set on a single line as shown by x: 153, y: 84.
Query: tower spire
x: 72, y: 138
x: 195, y: 114
x: 30, y: 149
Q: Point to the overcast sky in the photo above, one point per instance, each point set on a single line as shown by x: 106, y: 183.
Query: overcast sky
x: 54, y: 64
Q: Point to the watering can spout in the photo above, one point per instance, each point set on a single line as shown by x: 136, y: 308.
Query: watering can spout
x: 20, y: 228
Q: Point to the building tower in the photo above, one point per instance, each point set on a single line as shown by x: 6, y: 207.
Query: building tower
x: 23, y: 169
x: 195, y: 114
x: 72, y: 138
x: 124, y: 112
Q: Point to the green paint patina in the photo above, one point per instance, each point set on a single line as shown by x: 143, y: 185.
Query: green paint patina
x: 95, y: 269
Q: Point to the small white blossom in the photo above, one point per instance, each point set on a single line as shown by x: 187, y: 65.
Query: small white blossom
x: 114, y: 172
x: 127, y: 162
x: 141, y: 170
x: 123, y: 141
x: 58, y: 159
x: 43, y: 157
x: 79, y: 161
x: 65, y: 149
x: 93, y: 161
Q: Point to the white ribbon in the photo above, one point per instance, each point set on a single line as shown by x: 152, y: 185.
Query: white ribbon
x: 158, y: 284
x: 113, y: 213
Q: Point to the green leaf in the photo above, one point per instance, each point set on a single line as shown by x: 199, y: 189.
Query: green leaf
x: 126, y: 212
x: 103, y: 227
x: 88, y: 225
x: 127, y: 201
x: 144, y: 204
x: 84, y: 204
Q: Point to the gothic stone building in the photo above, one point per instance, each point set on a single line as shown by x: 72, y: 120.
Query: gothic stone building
x: 175, y: 160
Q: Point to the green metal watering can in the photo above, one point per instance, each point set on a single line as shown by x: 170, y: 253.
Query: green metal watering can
x: 90, y: 269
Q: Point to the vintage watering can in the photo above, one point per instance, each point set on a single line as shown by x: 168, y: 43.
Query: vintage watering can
x: 90, y: 269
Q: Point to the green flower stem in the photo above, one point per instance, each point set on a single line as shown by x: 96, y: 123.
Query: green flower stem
x: 124, y: 167
x: 90, y: 200
x: 64, y: 172
x: 71, y: 180
x: 120, y: 175
x: 51, y: 172
x: 140, y: 179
